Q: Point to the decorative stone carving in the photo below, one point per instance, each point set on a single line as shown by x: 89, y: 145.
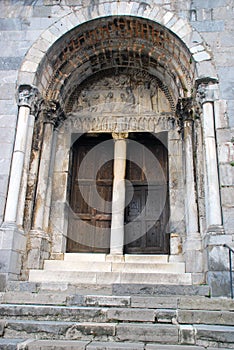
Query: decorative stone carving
x: 206, y: 90
x: 27, y: 95
x: 52, y: 112
x: 120, y: 135
x: 187, y: 109
x: 131, y: 93
x: 121, y: 124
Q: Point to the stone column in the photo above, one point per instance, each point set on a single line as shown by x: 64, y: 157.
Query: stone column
x: 192, y: 245
x: 207, y: 92
x: 214, y: 237
x: 43, y: 175
x: 24, y: 181
x: 26, y: 97
x: 39, y: 237
x: 13, y: 240
x: 118, y: 197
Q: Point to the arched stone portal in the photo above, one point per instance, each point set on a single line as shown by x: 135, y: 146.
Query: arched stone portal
x: 119, y: 75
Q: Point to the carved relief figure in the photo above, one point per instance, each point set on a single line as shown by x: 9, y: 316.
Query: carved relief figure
x: 133, y: 93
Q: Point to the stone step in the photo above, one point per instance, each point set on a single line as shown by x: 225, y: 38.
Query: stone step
x: 159, y: 289
x: 109, y: 289
x: 32, y: 344
x: 11, y: 344
x: 202, y: 335
x: 140, y: 258
x: 53, y: 265
x: 88, y: 277
x: 129, y: 313
x: 166, y: 334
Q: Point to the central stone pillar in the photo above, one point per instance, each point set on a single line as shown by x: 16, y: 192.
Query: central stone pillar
x: 118, y: 196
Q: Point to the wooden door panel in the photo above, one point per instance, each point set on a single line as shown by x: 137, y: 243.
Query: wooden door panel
x: 147, y: 213
x: 91, y: 195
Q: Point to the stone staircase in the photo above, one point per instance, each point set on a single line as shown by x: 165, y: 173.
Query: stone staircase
x: 50, y: 313
x: 107, y: 269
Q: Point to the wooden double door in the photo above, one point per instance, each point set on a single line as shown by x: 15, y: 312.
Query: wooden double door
x: 146, y: 209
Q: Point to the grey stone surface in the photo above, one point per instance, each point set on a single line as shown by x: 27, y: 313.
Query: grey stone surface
x: 156, y: 302
x: 57, y: 345
x: 130, y: 314
x: 107, y: 300
x: 151, y: 333
x: 3, y: 282
x: 209, y: 3
x: 204, y: 303
x: 220, y: 334
x: 115, y: 346
x: 76, y: 299
x: 219, y: 282
x: 209, y: 26
x: 231, y: 112
x: 226, y: 85
x: 10, y: 344
x: 166, y: 316
x: 80, y: 314
x: 10, y: 63
x: 136, y: 289
x: 187, y: 335
x: 60, y: 330
x: 206, y: 317
x: 173, y: 347
x: 2, y: 326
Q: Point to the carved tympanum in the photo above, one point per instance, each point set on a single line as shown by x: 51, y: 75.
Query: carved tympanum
x: 121, y: 94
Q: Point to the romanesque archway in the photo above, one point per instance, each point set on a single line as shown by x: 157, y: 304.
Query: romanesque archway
x: 90, y: 52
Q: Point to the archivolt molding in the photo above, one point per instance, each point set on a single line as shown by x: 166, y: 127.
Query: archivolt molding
x: 29, y: 72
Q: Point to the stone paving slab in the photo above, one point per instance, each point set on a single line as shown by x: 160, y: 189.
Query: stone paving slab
x: 153, y: 302
x: 206, y: 317
x: 202, y: 303
x: 115, y: 346
x: 153, y: 290
x: 147, y: 332
x: 129, y: 314
x: 59, y: 330
x: 106, y: 300
x: 221, y: 334
x: 57, y: 345
x: 45, y: 312
x: 10, y: 344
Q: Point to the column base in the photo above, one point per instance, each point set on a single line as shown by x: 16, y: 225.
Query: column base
x: 193, y: 254
x: 39, y: 245
x: 216, y: 229
x: 217, y: 261
x: 115, y: 258
x: 12, y: 251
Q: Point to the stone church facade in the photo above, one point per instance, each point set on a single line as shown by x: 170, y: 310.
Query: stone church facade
x: 117, y: 133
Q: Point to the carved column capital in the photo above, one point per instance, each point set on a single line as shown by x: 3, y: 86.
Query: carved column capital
x: 52, y: 112
x: 207, y: 90
x: 186, y: 110
x: 27, y: 95
x: 120, y: 135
